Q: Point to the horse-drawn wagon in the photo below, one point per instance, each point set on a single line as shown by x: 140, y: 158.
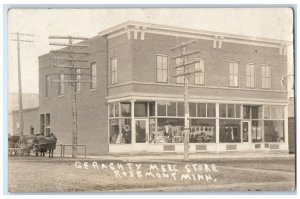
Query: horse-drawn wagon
x: 20, y: 145
x: 23, y: 145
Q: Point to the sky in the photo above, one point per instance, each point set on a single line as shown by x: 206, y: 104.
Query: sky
x: 274, y: 23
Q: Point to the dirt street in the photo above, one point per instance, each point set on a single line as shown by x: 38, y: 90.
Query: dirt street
x: 40, y: 174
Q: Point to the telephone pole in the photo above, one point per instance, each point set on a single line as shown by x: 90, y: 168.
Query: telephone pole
x: 19, y: 40
x: 72, y: 65
x: 186, y: 75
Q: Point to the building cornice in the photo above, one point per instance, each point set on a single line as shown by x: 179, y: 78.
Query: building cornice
x: 27, y: 109
x: 192, y: 98
x: 194, y: 86
x: 193, y: 33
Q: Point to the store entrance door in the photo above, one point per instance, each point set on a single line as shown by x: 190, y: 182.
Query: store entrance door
x: 141, y: 130
x: 246, y: 131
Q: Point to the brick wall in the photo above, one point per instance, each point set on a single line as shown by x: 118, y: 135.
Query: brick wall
x: 142, y: 67
x: 91, y: 104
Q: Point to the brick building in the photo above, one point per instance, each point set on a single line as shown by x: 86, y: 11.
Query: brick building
x: 238, y: 101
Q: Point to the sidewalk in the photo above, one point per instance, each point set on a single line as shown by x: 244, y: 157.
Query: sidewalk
x: 194, y: 156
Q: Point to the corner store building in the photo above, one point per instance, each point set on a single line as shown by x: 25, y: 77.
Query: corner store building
x: 237, y: 103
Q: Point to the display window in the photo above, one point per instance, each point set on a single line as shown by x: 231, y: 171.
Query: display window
x: 140, y: 109
x: 256, y: 131
x: 120, y: 131
x: 169, y: 130
x: 125, y: 109
x: 274, y: 131
x: 230, y: 131
x: 203, y: 131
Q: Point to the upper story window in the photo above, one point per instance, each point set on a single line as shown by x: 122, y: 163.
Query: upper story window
x: 162, y: 68
x: 200, y: 72
x: 78, y: 85
x: 266, y: 76
x: 48, y: 85
x: 234, y: 74
x: 114, y: 70
x: 250, y: 75
x: 93, y: 76
x: 61, y: 85
x: 180, y: 70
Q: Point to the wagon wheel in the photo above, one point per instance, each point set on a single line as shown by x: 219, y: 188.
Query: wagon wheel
x: 22, y: 147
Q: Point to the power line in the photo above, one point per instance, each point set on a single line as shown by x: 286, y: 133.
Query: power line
x: 19, y: 40
x: 68, y: 56
x: 186, y: 75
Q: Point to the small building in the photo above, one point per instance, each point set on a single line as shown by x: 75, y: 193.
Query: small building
x: 237, y: 99
x: 30, y: 101
x: 31, y: 121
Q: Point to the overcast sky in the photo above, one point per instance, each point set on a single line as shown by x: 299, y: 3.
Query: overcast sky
x: 275, y: 23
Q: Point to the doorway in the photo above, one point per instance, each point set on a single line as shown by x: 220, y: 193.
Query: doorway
x: 246, y: 131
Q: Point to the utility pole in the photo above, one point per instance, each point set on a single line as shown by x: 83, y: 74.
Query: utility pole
x: 186, y: 75
x: 69, y: 56
x: 18, y: 40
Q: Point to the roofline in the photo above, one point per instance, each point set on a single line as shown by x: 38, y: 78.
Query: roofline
x: 125, y: 25
x: 27, y: 109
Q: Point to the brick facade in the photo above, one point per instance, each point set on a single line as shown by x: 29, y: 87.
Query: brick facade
x: 136, y: 51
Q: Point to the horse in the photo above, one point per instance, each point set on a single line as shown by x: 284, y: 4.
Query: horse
x: 45, y: 143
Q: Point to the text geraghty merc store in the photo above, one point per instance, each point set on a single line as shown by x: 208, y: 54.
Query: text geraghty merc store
x: 158, y: 126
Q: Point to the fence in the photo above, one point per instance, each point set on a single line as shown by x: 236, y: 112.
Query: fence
x: 63, y: 148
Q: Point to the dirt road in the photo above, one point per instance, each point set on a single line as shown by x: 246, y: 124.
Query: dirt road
x: 40, y: 174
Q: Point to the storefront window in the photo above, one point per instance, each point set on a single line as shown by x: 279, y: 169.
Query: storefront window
x: 238, y: 110
x: 201, y: 109
x: 120, y: 131
x: 152, y: 108
x: 116, y: 109
x: 274, y: 131
x: 192, y: 109
x: 152, y: 130
x: 230, y: 130
x: 171, y: 108
x: 169, y: 130
x: 256, y: 130
x: 246, y: 112
x: 180, y: 109
x: 273, y: 112
x: 230, y: 110
x: 254, y: 112
x: 267, y: 111
x: 161, y: 108
x: 111, y: 110
x: 140, y: 109
x: 280, y: 112
x: 222, y: 108
x: 125, y: 109
x: 211, y: 110
x: 203, y: 131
